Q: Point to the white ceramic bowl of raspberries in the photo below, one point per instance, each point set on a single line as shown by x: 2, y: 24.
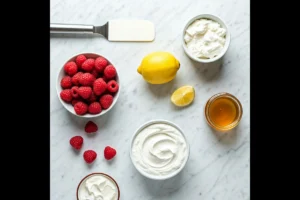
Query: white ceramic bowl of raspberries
x: 88, y: 85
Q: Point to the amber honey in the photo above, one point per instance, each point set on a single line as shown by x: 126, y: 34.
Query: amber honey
x: 223, y: 111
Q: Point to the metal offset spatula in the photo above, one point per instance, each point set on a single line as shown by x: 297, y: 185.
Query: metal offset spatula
x: 113, y: 30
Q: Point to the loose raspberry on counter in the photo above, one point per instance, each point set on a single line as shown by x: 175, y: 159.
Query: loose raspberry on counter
x: 66, y: 95
x: 88, y: 65
x: 99, y: 86
x: 80, y: 108
x: 86, y: 79
x: 85, y: 92
x: 112, y: 86
x: 71, y: 68
x: 66, y: 82
x: 106, y: 101
x: 74, y: 91
x: 76, y: 77
x: 79, y: 60
x: 110, y: 72
x: 109, y: 153
x: 89, y: 156
x: 95, y: 108
x: 90, y: 127
x: 76, y: 142
x: 100, y: 64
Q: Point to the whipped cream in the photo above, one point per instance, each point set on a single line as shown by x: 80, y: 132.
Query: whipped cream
x: 159, y: 150
x: 98, y: 187
x: 205, y: 38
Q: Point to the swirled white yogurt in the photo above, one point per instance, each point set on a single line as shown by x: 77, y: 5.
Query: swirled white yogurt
x: 205, y: 38
x: 98, y: 187
x: 159, y: 150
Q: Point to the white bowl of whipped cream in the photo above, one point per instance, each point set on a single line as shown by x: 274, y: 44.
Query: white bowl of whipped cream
x: 205, y: 38
x: 98, y: 186
x: 159, y: 150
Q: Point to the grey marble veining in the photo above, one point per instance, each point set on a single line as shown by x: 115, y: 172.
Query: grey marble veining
x: 218, y: 167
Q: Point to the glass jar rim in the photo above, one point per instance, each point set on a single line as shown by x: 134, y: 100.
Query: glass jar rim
x: 235, y: 100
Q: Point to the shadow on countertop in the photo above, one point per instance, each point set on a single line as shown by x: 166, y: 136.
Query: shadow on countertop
x: 162, y: 90
x: 229, y: 137
x: 161, y: 188
x: 208, y: 71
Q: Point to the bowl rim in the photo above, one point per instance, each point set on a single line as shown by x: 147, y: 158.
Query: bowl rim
x: 148, y: 123
x: 58, y: 88
x: 214, y: 18
x: 98, y: 173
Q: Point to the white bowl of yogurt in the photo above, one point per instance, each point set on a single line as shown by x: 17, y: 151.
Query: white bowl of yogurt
x: 98, y: 186
x: 159, y: 149
x: 205, y: 38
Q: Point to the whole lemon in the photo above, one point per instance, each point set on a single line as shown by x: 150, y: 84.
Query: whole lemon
x: 159, y: 67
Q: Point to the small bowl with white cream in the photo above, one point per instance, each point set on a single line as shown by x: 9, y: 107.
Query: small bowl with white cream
x: 205, y: 38
x: 98, y: 186
x: 159, y: 150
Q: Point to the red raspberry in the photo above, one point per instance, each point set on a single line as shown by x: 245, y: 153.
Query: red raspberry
x: 74, y: 101
x: 66, y: 95
x: 99, y: 86
x: 112, y: 86
x: 100, y: 64
x: 80, y: 108
x: 92, y: 98
x: 95, y: 73
x: 80, y: 59
x: 76, y: 142
x: 110, y: 71
x: 71, y: 68
x: 88, y: 65
x: 76, y: 77
x: 105, y: 79
x: 74, y: 91
x: 87, y: 79
x: 90, y: 127
x: 106, y: 101
x: 95, y: 108
x: 66, y: 82
x: 109, y: 153
x: 89, y: 156
x: 85, y: 92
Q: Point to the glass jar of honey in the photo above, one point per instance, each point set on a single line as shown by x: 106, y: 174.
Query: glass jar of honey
x: 223, y: 111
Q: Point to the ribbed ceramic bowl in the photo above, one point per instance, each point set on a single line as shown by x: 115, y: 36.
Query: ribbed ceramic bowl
x: 147, y: 174
x: 68, y: 106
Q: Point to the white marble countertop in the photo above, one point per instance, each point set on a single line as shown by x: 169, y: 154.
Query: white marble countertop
x: 218, y: 167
